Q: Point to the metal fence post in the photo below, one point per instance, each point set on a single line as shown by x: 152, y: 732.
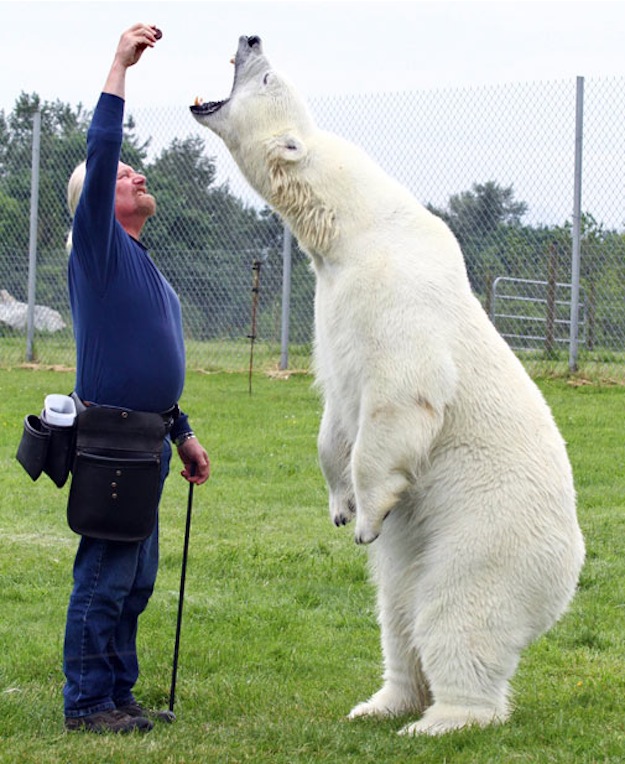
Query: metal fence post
x: 286, y: 297
x: 32, y: 249
x: 577, y: 223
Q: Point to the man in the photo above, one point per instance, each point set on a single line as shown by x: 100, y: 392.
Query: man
x: 130, y: 354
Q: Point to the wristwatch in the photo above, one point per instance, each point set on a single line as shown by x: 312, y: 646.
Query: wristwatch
x: 184, y: 436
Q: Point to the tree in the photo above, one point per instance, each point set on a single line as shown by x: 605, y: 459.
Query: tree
x: 482, y: 210
x: 487, y: 223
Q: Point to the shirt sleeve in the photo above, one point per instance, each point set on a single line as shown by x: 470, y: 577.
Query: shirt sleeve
x: 181, y: 426
x: 94, y: 222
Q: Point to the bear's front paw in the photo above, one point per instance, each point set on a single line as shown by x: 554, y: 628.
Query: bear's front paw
x: 342, y: 510
x: 366, y: 532
x: 368, y: 528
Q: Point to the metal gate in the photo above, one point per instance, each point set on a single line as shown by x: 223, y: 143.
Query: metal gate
x: 535, y: 315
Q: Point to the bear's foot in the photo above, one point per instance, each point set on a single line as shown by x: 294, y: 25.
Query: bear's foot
x: 441, y: 718
x: 386, y: 702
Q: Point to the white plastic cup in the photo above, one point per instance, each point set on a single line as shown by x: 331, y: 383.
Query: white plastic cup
x: 59, y: 410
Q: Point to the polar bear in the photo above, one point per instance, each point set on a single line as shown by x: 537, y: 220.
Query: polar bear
x: 433, y: 437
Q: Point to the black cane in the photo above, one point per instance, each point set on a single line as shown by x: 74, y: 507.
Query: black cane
x: 183, y: 575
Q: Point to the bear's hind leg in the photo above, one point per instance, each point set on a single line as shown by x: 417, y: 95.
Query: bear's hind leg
x: 441, y: 718
x: 405, y: 688
x: 394, y: 699
x: 469, y: 677
x: 400, y: 694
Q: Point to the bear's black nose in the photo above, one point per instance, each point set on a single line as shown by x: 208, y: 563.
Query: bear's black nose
x: 253, y: 40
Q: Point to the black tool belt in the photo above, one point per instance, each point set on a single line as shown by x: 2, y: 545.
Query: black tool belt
x: 116, y: 473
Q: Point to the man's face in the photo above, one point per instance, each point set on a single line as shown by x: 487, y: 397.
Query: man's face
x: 132, y: 201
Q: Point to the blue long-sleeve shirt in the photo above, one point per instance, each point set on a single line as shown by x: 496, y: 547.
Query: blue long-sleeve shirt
x: 127, y: 318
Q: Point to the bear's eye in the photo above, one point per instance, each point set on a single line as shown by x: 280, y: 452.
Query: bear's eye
x: 266, y: 78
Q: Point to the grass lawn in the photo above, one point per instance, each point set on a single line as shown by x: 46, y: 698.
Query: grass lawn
x: 279, y: 637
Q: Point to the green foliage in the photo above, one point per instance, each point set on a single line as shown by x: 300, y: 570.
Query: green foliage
x: 279, y: 637
x: 484, y: 208
x: 487, y: 221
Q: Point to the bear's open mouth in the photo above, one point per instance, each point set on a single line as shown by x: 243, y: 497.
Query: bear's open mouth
x: 207, y: 108
x: 246, y: 45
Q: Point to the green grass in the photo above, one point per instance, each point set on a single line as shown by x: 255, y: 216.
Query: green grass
x: 279, y: 638
x: 233, y: 355
x: 58, y: 351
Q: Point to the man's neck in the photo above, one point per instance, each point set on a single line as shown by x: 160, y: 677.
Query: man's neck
x: 132, y: 227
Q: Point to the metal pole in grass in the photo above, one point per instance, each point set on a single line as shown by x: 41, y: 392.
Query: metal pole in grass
x: 576, y: 228
x: 183, y: 575
x: 32, y: 247
x: 286, y: 297
x: 252, y: 336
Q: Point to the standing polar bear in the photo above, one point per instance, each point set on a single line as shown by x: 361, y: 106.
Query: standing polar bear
x: 433, y: 437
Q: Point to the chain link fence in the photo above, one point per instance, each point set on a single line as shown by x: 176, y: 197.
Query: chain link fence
x: 498, y: 163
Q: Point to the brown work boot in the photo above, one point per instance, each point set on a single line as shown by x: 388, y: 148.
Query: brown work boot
x: 108, y: 721
x: 137, y: 710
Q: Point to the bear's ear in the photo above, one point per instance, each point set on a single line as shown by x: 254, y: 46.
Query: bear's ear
x: 286, y: 148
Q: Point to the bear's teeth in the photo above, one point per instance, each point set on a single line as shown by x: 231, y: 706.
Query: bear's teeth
x: 198, y: 101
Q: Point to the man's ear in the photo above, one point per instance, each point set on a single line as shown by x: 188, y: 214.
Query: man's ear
x: 286, y: 148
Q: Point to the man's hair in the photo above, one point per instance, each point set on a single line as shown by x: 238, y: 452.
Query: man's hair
x: 74, y: 187
x: 74, y: 190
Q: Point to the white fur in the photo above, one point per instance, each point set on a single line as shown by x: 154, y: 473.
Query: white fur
x: 433, y: 436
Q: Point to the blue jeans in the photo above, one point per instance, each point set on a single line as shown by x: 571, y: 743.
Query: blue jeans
x: 113, y: 581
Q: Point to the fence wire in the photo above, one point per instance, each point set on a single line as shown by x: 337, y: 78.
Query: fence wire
x: 496, y: 162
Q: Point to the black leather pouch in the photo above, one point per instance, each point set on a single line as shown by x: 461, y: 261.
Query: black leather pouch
x: 60, y: 453
x: 46, y: 448
x: 33, y: 447
x: 116, y: 473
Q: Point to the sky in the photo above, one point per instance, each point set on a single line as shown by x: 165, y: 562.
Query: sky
x: 62, y: 50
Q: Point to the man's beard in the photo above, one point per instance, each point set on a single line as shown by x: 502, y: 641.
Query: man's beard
x: 147, y: 205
